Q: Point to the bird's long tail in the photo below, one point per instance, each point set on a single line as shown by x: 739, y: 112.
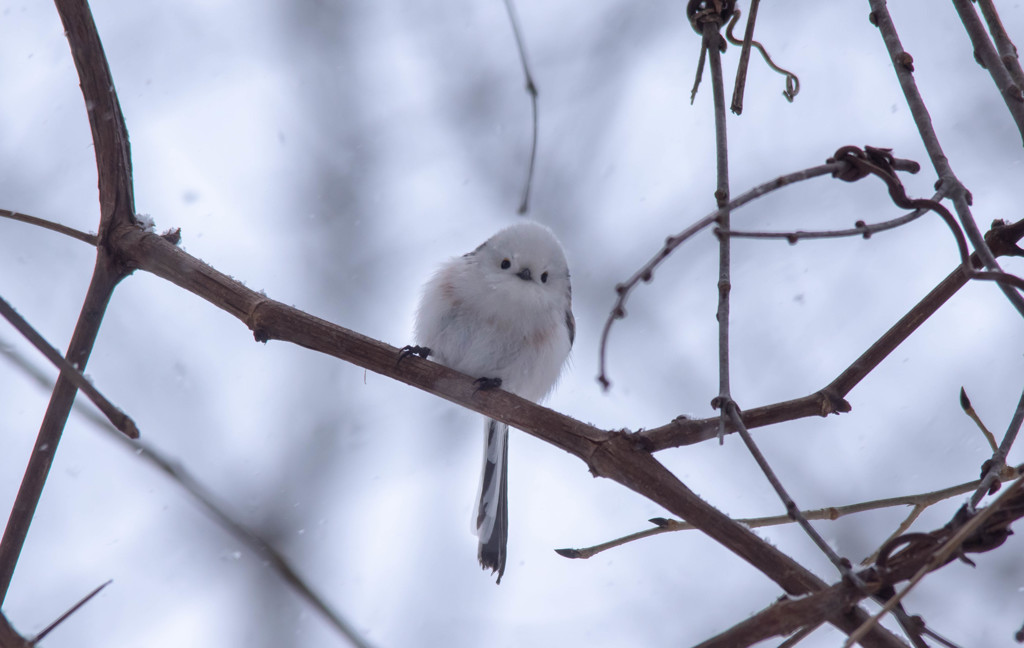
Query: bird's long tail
x: 491, y: 520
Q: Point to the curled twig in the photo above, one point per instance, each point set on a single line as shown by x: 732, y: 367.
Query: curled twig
x: 792, y: 81
x: 860, y: 228
x: 959, y: 536
x: 878, y: 162
x: 646, y: 272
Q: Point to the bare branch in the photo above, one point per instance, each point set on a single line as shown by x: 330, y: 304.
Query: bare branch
x: 618, y: 456
x: 531, y: 89
x: 91, y: 239
x: 121, y: 421
x: 986, y: 54
x: 965, y: 405
x: 790, y: 615
x: 741, y: 70
x: 903, y: 65
x: 792, y: 81
x: 918, y: 501
x: 729, y: 409
x: 180, y: 476
x: 1003, y: 239
x: 714, y: 42
x: 1007, y: 50
x: 117, y: 208
x: 943, y: 554
x: 836, y: 167
x: 646, y: 273
x: 994, y: 467
x: 74, y: 608
x: 900, y: 530
x: 860, y: 228
x: 9, y: 637
x: 274, y: 559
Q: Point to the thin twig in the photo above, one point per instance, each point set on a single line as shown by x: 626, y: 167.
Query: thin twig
x: 51, y: 429
x: 1007, y: 50
x: 713, y: 40
x: 531, y: 89
x: 950, y: 184
x: 862, y: 229
x: 72, y: 610
x: 262, y: 548
x: 830, y: 399
x: 937, y: 637
x: 664, y: 525
x: 986, y: 54
x: 997, y: 463
x: 646, y: 273
x: 121, y: 421
x: 50, y: 225
x: 878, y: 162
x: 800, y: 635
x: 965, y: 405
x: 792, y: 81
x: 789, y: 615
x: 699, y: 74
x: 180, y: 476
x: 741, y: 69
x: 938, y: 558
x: 900, y: 530
x: 843, y: 565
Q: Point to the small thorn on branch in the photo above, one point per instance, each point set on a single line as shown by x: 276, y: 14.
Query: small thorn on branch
x: 74, y: 608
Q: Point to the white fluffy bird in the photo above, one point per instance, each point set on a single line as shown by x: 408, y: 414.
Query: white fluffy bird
x: 502, y: 313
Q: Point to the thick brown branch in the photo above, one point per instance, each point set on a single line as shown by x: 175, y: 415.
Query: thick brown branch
x: 109, y: 133
x: 9, y: 637
x: 615, y: 455
x: 110, y: 140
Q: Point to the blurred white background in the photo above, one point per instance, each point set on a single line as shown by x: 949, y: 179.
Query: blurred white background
x: 332, y: 154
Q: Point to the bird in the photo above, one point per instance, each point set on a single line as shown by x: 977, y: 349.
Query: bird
x: 501, y: 313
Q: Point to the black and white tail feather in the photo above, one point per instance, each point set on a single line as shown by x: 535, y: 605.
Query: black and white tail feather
x: 492, y: 502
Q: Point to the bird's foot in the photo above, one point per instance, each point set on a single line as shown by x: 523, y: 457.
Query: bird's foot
x: 410, y: 349
x: 487, y: 384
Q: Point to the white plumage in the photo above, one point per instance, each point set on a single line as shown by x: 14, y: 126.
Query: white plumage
x: 502, y: 311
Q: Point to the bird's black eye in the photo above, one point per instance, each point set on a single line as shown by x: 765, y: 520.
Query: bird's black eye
x: 505, y: 264
x: 544, y: 277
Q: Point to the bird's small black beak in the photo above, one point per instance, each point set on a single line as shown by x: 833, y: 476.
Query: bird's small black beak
x: 524, y: 274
